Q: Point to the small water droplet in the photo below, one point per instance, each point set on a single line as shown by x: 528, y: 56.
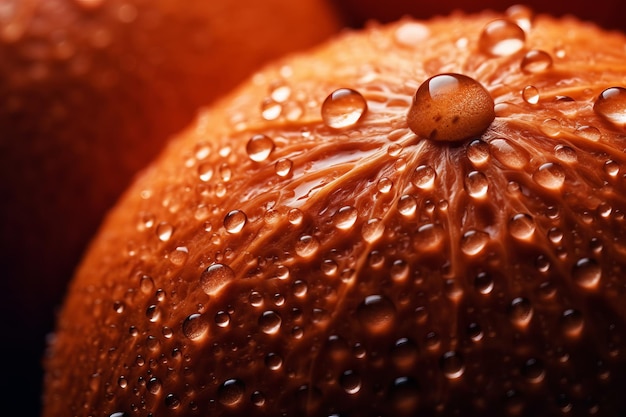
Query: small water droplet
x: 587, y: 273
x: 550, y: 176
x: 475, y: 332
x: 404, y: 353
x: 215, y: 277
x: 399, y: 270
x: 478, y: 152
x: 424, y: 177
x: 307, y: 246
x: 273, y: 361
x: 164, y: 231
x: 172, y: 401
x: 473, y: 242
x: 508, y: 154
x: 373, y: 230
x: 153, y: 313
x: 231, y: 392
x: 280, y: 92
x: 520, y: 14
x: 411, y: 34
x: 260, y: 147
x: 153, y: 385
x: 429, y: 237
x: 407, y: 204
x: 611, y: 168
x: 501, y: 37
x: 452, y: 365
x: 283, y: 167
x: 572, y: 322
x: 345, y: 217
x: 299, y: 288
x: 195, y: 327
x: 343, y: 108
x: 205, y: 171
x: 270, y: 322
x: 483, y: 283
x: 376, y: 313
x: 533, y: 370
x: 530, y: 94
x: 384, y: 185
x: 350, y: 381
x: 520, y: 311
x: 450, y: 107
x: 405, y: 395
x: 611, y: 105
x: 271, y: 110
x: 179, y: 255
x: 522, y: 226
x: 536, y: 61
x: 256, y: 299
x: 257, y: 398
x: 222, y: 318
x: 235, y: 221
x: 565, y: 154
x: 551, y: 127
x: 476, y: 184
x: 295, y: 216
x: 589, y: 132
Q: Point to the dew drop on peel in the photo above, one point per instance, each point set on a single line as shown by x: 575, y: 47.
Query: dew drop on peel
x: 611, y: 105
x: 343, y: 108
x: 501, y: 37
x: 259, y: 147
x: 450, y: 108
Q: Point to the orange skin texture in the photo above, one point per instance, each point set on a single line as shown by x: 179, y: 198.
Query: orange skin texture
x: 379, y: 291
x: 90, y: 94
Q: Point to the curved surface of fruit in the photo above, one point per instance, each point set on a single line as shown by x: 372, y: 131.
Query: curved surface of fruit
x: 300, y: 251
x: 91, y: 90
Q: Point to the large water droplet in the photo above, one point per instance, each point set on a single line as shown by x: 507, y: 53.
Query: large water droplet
x: 235, y: 221
x: 476, y: 184
x: 195, y: 327
x: 345, y: 217
x: 473, y: 242
x: 536, y: 61
x: 259, y: 147
x: 501, y: 38
x: 343, y: 108
x: 587, y: 273
x: 522, y: 226
x: 231, y: 392
x: 611, y: 105
x: 450, y: 107
x: 215, y: 277
x: 270, y: 322
x: 376, y: 313
x: 550, y: 175
x: 307, y: 246
x: 452, y: 365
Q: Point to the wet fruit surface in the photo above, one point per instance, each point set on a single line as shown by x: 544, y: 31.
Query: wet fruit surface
x: 320, y: 266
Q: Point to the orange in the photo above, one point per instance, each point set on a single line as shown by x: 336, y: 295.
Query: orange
x: 91, y: 90
x: 307, y: 247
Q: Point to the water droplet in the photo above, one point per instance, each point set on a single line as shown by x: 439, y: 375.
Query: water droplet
x: 522, y: 226
x: 179, y: 255
x: 235, y: 221
x: 522, y: 15
x: 256, y: 299
x: 259, y: 147
x: 345, y: 218
x: 350, y: 381
x: 476, y: 184
x: 270, y: 322
x: 222, y: 318
x: 530, y: 94
x: 483, y: 283
x: 501, y: 37
x: 404, y: 353
x: 611, y: 105
x: 172, y: 401
x: 450, y: 107
x: 589, y: 132
x: 565, y: 154
x: 257, y: 398
x: 373, y: 230
x: 153, y: 385
x: 231, y: 392
x: 384, y: 185
x: 452, y: 365
x: 195, y: 327
x: 475, y: 332
x: 429, y: 237
x: 343, y: 108
x: 280, y: 92
x: 411, y: 34
x: 399, y: 270
x: 225, y: 171
x: 508, y: 154
x: 478, y: 152
x: 536, y: 61
x: 424, y: 177
x: 273, y: 361
x: 473, y: 242
x: 533, y: 370
x: 520, y: 311
x: 307, y: 246
x: 153, y: 313
x: 587, y: 273
x: 611, y: 168
x: 376, y: 313
x: 271, y: 110
x: 550, y: 176
x: 164, y: 231
x: 205, y: 171
x: 295, y: 216
x: 551, y: 127
x: 215, y: 277
x: 572, y: 322
x: 407, y: 204
x: 404, y: 394
x: 299, y: 288
x: 283, y: 167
